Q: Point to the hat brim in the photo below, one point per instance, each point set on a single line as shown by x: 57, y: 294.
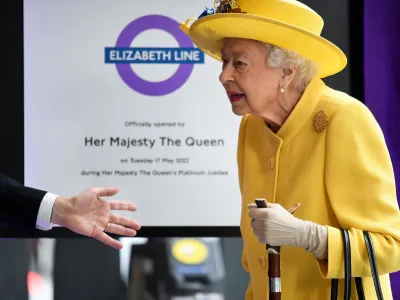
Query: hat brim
x: 208, y: 33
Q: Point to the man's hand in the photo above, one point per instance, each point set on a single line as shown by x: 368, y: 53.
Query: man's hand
x: 88, y: 214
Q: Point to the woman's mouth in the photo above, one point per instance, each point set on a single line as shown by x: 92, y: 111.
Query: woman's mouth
x: 235, y: 97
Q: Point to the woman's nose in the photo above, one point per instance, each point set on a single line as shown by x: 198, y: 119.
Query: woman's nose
x: 226, y: 74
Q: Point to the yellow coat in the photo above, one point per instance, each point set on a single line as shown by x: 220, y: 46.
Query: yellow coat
x: 341, y: 174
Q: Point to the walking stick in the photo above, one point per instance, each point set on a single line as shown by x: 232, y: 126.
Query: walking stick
x: 274, y: 259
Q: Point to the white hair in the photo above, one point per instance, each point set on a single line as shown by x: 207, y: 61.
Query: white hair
x: 286, y: 59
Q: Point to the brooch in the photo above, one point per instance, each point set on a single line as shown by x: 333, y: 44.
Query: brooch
x: 320, y: 121
x: 225, y: 6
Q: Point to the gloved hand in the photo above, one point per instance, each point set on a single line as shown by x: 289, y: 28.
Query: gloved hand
x: 275, y: 226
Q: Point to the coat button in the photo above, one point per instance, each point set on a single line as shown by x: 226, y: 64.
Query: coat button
x: 262, y: 261
x: 271, y: 163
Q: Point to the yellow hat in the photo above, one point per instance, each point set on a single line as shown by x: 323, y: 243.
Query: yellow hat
x: 287, y: 24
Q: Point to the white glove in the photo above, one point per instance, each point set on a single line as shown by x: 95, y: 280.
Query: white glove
x: 275, y: 226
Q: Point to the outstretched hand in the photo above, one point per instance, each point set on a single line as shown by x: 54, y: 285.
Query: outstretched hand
x: 88, y: 214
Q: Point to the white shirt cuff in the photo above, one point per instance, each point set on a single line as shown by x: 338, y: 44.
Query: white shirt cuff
x: 43, y: 221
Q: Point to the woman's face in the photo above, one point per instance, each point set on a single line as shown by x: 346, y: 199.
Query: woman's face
x: 252, y: 86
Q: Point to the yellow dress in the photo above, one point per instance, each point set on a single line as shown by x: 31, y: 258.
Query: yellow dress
x: 330, y: 155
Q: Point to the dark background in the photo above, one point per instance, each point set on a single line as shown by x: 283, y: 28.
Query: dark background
x: 343, y: 26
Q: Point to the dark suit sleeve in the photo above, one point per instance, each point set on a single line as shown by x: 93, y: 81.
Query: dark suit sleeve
x: 19, y: 205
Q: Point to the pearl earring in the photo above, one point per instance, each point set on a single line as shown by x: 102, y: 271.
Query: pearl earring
x: 281, y: 90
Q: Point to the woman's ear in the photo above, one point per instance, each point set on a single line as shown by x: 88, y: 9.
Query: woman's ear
x: 287, y: 77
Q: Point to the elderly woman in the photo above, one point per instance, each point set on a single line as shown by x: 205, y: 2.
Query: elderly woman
x: 301, y: 141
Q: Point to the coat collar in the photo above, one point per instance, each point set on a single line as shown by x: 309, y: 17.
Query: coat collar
x: 302, y: 112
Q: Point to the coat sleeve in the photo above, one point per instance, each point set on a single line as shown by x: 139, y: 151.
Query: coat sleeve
x: 361, y: 189
x: 19, y: 205
x: 240, y: 161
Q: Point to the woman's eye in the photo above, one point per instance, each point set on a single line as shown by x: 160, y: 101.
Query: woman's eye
x: 224, y: 63
x: 240, y: 64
